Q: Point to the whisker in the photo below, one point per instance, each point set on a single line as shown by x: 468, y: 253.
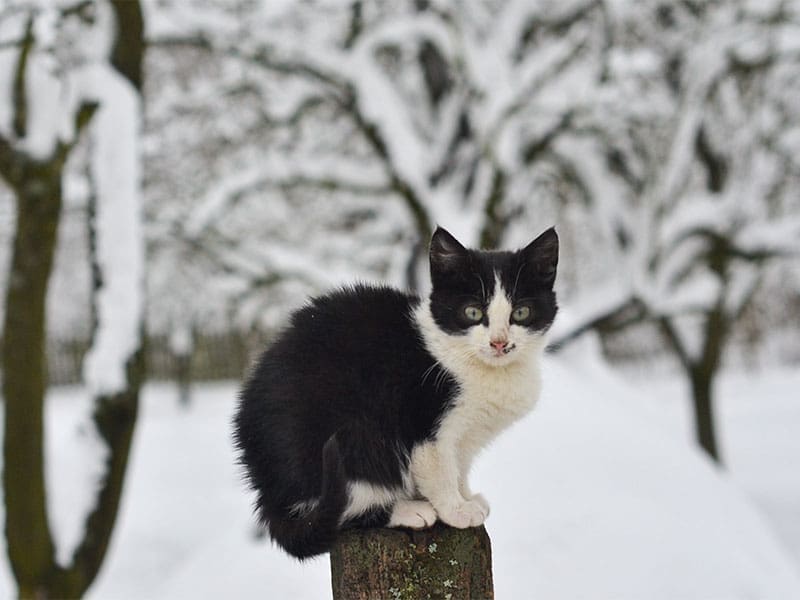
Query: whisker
x: 483, y: 288
x: 440, y: 377
x: 428, y: 371
x: 516, y: 281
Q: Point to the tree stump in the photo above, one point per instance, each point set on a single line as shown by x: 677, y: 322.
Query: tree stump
x: 400, y: 564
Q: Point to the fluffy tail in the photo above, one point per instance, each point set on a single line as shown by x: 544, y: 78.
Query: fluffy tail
x: 315, y: 532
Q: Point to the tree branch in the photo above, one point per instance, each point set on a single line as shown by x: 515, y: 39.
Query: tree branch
x: 675, y: 341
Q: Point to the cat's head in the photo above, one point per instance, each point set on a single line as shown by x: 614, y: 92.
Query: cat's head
x: 494, y: 305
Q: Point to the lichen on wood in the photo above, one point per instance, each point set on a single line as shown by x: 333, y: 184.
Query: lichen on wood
x: 437, y: 563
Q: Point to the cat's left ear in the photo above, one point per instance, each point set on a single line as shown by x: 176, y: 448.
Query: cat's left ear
x: 541, y: 255
x: 446, y: 251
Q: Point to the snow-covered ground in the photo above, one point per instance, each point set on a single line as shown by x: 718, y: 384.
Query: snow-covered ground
x: 759, y: 429
x: 596, y: 495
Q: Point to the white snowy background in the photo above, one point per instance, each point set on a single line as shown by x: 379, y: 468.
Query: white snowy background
x: 280, y: 149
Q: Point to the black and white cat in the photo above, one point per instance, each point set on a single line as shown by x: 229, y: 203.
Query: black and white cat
x: 371, y: 405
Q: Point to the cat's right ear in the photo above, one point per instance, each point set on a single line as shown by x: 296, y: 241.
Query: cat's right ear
x: 446, y: 251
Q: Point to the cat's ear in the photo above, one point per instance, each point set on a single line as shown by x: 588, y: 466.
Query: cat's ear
x: 541, y: 256
x: 446, y: 251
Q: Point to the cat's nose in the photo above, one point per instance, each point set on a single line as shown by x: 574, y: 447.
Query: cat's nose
x: 499, y: 345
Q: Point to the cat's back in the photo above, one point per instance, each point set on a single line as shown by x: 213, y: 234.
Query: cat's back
x: 362, y: 327
x: 359, y: 309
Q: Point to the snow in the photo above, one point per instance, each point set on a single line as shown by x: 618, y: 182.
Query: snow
x: 44, y: 119
x: 50, y: 95
x: 757, y: 425
x: 116, y: 173
x: 74, y: 446
x: 596, y: 495
x: 43, y: 95
x: 578, y: 314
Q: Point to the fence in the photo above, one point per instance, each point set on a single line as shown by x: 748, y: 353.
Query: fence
x: 218, y: 356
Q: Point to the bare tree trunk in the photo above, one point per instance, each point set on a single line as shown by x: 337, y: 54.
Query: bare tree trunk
x: 29, y: 542
x: 700, y: 371
x: 441, y: 562
x: 702, y: 386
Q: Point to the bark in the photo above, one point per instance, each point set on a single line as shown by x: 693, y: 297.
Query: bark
x: 701, y: 375
x: 127, y: 55
x: 37, y: 187
x: 29, y: 542
x: 441, y: 562
x: 702, y: 397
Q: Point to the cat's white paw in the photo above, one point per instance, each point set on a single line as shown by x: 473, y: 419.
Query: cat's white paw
x: 414, y: 514
x: 483, y: 503
x: 469, y: 513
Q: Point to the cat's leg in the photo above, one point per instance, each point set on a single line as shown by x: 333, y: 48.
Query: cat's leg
x: 465, y: 464
x: 374, y: 470
x: 414, y: 514
x: 435, y: 469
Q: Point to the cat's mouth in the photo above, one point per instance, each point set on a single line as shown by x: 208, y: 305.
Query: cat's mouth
x: 497, y: 356
x: 504, y: 350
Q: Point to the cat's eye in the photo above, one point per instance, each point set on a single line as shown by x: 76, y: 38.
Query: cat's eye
x: 473, y: 313
x: 521, y: 313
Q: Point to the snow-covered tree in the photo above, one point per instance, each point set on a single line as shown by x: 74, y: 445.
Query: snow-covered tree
x: 64, y: 68
x: 687, y: 162
x: 351, y: 128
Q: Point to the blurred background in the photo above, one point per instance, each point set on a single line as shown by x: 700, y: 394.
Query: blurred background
x: 176, y: 176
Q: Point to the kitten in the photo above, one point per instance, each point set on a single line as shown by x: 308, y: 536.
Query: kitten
x: 369, y: 408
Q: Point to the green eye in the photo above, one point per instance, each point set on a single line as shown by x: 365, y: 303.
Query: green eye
x: 473, y: 313
x: 521, y: 313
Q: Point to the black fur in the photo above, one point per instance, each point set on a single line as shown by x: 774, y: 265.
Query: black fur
x: 348, y: 389
x: 463, y: 277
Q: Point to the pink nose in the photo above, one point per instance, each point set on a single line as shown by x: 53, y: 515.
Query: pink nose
x: 498, y: 345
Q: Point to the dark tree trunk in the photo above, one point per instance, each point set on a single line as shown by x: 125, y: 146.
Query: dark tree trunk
x: 441, y: 562
x: 700, y: 371
x: 702, y: 383
x: 29, y: 542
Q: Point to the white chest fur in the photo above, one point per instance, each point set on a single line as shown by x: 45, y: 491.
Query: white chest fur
x: 490, y: 397
x: 489, y: 400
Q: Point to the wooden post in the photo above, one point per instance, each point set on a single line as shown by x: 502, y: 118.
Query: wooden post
x: 399, y: 564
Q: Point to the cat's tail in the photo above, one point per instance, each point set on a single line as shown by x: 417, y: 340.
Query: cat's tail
x: 315, y: 532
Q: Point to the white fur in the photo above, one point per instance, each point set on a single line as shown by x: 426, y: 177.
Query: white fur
x: 362, y: 496
x: 416, y: 514
x: 498, y: 312
x: 494, y: 391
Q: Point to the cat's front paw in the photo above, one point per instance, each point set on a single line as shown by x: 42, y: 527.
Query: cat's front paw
x: 469, y: 513
x: 483, y: 503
